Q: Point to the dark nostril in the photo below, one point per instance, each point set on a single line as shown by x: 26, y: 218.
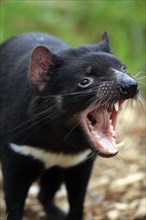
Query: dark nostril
x: 129, y: 91
x: 123, y: 90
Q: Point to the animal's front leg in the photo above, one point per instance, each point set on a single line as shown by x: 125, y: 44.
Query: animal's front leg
x: 49, y: 184
x: 76, y: 180
x: 18, y: 174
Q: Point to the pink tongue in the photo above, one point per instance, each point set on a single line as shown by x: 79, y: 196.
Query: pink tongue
x: 107, y: 147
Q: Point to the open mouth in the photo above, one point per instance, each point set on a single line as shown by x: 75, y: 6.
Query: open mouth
x: 100, y: 124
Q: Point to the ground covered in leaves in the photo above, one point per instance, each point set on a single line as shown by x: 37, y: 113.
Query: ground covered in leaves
x: 117, y: 187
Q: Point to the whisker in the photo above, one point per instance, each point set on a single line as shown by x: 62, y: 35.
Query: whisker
x: 71, y: 130
x: 50, y: 120
x: 140, y: 100
x: 142, y: 77
x: 37, y: 122
x: 90, y: 107
x: 140, y: 72
x: 37, y: 128
x: 119, y: 157
x: 124, y: 124
x: 36, y: 116
x: 94, y: 103
x: 93, y: 98
x: 142, y: 83
x: 81, y: 93
x: 92, y: 156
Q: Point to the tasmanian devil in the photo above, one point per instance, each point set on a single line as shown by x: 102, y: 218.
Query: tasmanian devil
x: 59, y: 107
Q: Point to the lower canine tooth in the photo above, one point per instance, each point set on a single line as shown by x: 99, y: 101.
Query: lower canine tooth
x: 105, y: 150
x: 119, y: 145
x: 116, y: 105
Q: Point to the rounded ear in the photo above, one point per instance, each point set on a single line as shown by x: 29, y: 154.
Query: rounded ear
x: 42, y: 63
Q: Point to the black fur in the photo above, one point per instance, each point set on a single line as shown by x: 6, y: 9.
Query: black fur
x: 42, y: 98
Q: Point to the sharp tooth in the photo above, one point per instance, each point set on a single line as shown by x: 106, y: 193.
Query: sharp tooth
x: 119, y: 145
x: 111, y: 128
x: 89, y: 122
x: 110, y: 122
x: 116, y: 105
x: 105, y: 149
x: 97, y: 136
x: 90, y: 125
x: 93, y: 132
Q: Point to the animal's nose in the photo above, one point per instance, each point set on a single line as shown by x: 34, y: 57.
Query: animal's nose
x: 129, y: 89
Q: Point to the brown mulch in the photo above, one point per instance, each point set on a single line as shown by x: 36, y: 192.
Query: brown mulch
x: 117, y: 187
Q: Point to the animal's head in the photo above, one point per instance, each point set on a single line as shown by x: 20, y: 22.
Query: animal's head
x: 87, y: 85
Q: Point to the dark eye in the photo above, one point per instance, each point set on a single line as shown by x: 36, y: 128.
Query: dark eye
x: 85, y: 82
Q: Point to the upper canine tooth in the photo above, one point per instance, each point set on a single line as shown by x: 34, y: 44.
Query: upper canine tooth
x: 119, y: 145
x: 116, y: 105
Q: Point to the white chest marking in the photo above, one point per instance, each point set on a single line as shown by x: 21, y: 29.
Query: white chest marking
x: 50, y: 159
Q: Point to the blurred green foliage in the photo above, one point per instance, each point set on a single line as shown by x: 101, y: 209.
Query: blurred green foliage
x: 79, y: 22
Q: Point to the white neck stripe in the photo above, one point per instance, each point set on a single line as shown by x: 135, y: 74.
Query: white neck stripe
x: 50, y: 159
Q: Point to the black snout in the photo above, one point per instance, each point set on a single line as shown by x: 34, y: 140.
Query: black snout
x: 129, y: 89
